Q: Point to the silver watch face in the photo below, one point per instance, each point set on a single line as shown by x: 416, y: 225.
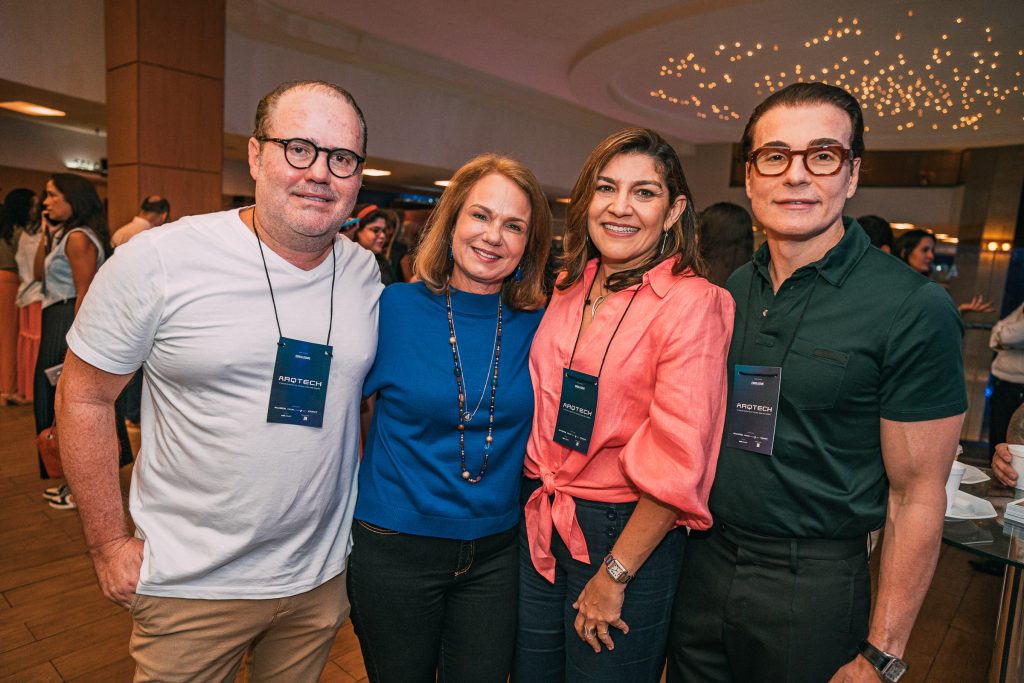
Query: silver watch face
x: 894, y: 670
x: 616, y: 570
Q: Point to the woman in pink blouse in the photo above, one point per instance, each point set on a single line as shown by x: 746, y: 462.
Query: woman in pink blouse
x: 628, y: 368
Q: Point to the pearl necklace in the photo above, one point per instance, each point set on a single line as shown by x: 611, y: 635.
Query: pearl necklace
x: 464, y: 415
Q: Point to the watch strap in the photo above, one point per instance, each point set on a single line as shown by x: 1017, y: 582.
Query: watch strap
x: 875, y: 657
x: 889, y: 666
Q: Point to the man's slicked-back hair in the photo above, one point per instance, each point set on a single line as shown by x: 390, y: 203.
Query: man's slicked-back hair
x: 798, y: 94
x: 265, y: 109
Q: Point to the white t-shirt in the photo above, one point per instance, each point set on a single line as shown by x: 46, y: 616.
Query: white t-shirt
x: 231, y: 506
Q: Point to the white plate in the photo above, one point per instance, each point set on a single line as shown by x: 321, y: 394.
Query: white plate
x: 973, y: 475
x: 966, y: 506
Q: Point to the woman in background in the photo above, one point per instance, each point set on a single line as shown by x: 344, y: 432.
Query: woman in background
x: 14, y: 215
x: 371, y: 234
x: 23, y: 206
x: 75, y: 242
x: 916, y: 248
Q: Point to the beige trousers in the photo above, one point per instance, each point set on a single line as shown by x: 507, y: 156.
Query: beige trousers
x: 180, y: 639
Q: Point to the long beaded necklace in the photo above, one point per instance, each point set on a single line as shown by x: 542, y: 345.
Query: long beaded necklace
x: 464, y: 415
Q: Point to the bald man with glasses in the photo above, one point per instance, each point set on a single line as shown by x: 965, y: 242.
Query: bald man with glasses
x: 256, y: 328
x: 846, y: 396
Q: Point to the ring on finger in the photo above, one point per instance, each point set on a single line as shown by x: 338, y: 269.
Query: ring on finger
x: 589, y: 632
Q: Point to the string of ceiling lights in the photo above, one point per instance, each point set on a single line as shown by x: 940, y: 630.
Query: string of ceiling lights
x: 946, y: 87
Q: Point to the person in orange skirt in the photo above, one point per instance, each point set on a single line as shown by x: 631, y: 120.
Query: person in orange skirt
x: 14, y: 219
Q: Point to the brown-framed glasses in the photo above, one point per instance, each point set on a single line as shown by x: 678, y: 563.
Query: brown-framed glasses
x: 819, y: 160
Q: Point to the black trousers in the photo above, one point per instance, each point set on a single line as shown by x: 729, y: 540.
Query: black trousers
x: 1006, y: 398
x: 433, y: 609
x: 762, y: 610
x: 53, y: 346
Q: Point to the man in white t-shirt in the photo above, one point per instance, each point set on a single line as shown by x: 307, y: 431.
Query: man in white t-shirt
x: 256, y: 328
x: 155, y: 211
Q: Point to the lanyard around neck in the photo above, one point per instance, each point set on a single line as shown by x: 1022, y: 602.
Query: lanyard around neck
x: 584, y: 312
x: 273, y: 302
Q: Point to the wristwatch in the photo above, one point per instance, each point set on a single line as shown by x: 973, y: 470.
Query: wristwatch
x: 889, y: 667
x: 615, y: 569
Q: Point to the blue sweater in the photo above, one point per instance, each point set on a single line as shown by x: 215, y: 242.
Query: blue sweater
x: 410, y: 479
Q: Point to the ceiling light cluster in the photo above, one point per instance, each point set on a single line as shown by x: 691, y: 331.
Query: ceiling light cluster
x: 947, y: 87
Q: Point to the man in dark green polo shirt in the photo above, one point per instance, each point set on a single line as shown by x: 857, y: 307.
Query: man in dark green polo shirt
x: 846, y: 400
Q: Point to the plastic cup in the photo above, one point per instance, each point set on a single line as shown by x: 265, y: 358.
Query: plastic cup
x: 1017, y: 453
x: 956, y: 474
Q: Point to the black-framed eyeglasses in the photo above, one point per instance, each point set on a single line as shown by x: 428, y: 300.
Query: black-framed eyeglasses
x: 301, y: 153
x: 819, y: 160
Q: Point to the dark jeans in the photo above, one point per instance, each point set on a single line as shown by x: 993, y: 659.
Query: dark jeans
x: 547, y: 646
x: 53, y: 347
x: 765, y: 610
x: 429, y: 609
x: 1006, y: 398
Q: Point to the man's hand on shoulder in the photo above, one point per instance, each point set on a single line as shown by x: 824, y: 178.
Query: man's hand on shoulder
x: 118, y: 564
x: 858, y: 670
x: 1002, y: 465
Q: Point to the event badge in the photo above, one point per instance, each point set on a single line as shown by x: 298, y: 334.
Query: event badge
x: 576, y: 410
x: 298, y: 391
x: 53, y: 373
x: 754, y: 409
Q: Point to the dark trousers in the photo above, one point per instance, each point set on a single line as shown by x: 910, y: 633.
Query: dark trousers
x: 433, y: 609
x: 547, y: 646
x: 133, y: 398
x: 53, y: 346
x: 765, y: 610
x: 1006, y: 398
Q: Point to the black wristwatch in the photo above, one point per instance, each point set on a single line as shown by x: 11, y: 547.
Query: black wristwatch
x: 615, y: 570
x: 889, y: 667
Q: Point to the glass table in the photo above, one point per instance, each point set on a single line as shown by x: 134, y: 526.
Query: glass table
x: 1003, y: 542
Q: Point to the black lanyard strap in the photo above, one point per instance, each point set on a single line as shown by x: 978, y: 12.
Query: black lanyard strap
x: 273, y: 301
x: 614, y: 332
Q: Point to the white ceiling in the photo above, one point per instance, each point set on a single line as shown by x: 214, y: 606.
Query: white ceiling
x: 653, y: 62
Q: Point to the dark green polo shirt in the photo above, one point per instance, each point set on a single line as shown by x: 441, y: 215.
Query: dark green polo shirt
x: 867, y: 338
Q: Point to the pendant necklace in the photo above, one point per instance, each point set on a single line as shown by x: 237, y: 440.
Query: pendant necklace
x: 597, y: 302
x: 491, y: 378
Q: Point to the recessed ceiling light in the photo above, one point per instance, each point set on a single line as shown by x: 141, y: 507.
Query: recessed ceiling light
x: 375, y: 172
x: 442, y: 183
x: 31, y: 109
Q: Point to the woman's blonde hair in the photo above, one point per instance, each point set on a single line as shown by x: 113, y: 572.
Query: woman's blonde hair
x: 681, y: 238
x: 432, y: 263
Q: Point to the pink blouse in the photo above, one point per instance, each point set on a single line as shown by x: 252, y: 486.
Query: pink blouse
x: 660, y: 410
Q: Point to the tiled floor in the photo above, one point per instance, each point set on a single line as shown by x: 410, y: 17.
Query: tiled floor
x: 56, y: 626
